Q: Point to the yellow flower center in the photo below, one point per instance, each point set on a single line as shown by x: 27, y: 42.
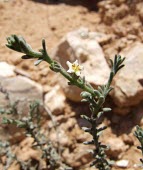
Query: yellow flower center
x: 75, y: 67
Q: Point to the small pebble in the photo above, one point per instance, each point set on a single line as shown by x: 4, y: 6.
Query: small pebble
x: 122, y: 163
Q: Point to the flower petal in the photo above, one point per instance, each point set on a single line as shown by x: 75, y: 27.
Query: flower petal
x: 69, y: 64
x: 80, y: 67
x: 76, y: 62
x: 74, y: 67
x: 78, y: 73
x: 70, y: 70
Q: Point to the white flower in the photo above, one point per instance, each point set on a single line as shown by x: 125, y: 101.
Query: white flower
x: 74, y: 68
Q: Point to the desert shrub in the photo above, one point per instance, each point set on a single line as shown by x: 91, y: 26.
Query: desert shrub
x: 94, y: 97
x: 33, y: 128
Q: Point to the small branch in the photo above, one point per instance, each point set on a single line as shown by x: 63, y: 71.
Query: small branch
x: 95, y: 97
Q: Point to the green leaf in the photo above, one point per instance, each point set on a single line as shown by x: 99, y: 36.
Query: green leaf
x: 26, y: 57
x: 37, y: 62
x: 106, y: 109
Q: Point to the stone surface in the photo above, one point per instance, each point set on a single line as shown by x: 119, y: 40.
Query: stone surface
x: 115, y: 143
x: 117, y: 146
x: 140, y: 10
x: 83, y: 46
x: 6, y: 70
x: 122, y: 163
x: 108, y: 12
x: 21, y: 91
x: 55, y: 100
x: 128, y: 84
x: 79, y: 157
x: 101, y: 38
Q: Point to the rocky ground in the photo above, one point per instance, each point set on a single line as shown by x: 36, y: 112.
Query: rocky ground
x: 113, y: 26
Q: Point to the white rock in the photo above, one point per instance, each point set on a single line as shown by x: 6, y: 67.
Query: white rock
x: 140, y: 10
x: 61, y: 137
x: 20, y: 90
x: 115, y: 143
x: 55, y: 100
x: 7, y: 70
x: 128, y: 84
x: 117, y: 146
x: 82, y: 45
x: 122, y: 163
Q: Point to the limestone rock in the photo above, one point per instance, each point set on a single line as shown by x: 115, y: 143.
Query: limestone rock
x: 55, y: 100
x: 122, y: 163
x: 83, y: 46
x: 102, y: 38
x: 79, y: 157
x: 20, y: 91
x: 116, y: 145
x: 6, y: 70
x: 140, y: 10
x: 128, y: 86
x: 110, y: 12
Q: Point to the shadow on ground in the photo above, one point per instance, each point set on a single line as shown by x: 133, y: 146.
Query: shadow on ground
x: 90, y: 4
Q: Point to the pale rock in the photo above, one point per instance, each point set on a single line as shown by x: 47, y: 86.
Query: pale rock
x: 79, y: 156
x: 131, y: 37
x: 122, y: 163
x: 20, y: 91
x: 64, y: 133
x: 82, y: 45
x: 138, y: 112
x: 110, y: 12
x: 28, y: 153
x: 22, y: 73
x: 128, y: 86
x: 7, y: 70
x: 140, y: 10
x: 128, y: 139
x: 116, y: 145
x: 60, y: 137
x: 102, y: 38
x: 55, y: 100
x: 119, y: 28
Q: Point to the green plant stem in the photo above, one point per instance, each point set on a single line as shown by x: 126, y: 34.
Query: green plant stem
x: 36, y: 54
x: 95, y: 98
x: 77, y: 82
